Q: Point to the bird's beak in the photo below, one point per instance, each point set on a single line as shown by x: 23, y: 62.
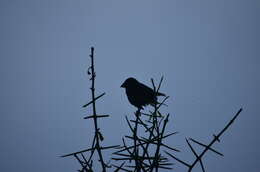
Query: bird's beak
x: 123, y: 85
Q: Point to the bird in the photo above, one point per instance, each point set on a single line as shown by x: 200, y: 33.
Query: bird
x: 138, y: 94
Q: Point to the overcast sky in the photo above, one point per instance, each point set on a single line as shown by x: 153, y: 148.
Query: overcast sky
x: 207, y: 50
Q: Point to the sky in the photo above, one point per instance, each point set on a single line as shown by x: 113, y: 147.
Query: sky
x: 207, y: 51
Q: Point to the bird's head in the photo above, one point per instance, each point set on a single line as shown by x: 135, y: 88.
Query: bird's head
x: 128, y: 82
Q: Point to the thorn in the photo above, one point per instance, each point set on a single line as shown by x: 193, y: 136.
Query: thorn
x: 216, y: 137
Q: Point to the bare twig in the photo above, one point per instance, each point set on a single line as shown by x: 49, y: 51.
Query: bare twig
x: 93, y: 100
x: 86, y: 163
x: 216, y: 138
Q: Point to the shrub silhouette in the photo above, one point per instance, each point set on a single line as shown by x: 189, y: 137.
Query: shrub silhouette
x: 143, y: 149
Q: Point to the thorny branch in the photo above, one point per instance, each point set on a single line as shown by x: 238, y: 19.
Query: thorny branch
x: 97, y: 132
x: 147, y: 149
x: 86, y: 163
x: 206, y: 147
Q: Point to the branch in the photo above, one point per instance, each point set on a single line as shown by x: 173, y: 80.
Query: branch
x: 215, y: 139
x: 206, y: 147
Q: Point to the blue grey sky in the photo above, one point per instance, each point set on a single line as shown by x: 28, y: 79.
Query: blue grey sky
x: 208, y: 52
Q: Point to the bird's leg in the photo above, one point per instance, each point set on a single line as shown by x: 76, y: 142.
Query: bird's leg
x: 138, y: 112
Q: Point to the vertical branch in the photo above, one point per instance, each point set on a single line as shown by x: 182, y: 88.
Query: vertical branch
x: 93, y: 75
x: 159, y: 135
x: 136, y: 150
x: 87, y: 162
x: 156, y: 127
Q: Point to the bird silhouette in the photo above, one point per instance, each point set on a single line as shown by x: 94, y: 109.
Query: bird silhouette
x: 139, y: 94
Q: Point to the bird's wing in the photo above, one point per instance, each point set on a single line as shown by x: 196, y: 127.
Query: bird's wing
x: 150, y: 91
x: 146, y: 89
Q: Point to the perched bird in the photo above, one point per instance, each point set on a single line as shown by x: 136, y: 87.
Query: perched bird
x: 139, y: 94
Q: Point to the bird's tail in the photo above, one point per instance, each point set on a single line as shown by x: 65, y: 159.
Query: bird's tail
x: 154, y: 103
x: 160, y: 94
